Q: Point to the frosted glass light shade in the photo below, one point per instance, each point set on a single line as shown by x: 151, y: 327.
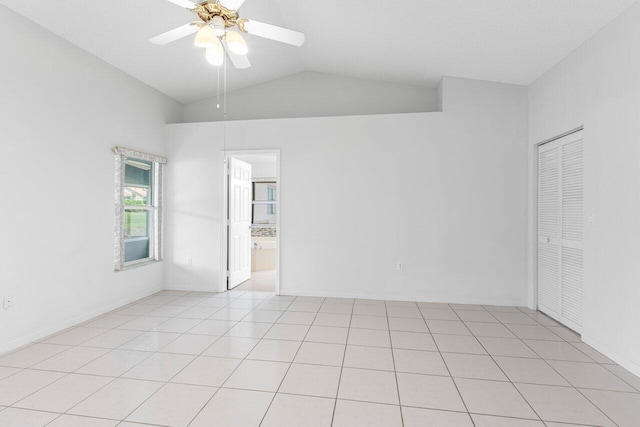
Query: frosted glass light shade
x: 218, y: 25
x: 215, y: 54
x: 236, y: 43
x: 206, y: 37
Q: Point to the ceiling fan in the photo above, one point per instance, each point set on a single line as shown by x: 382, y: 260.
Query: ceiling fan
x: 215, y: 31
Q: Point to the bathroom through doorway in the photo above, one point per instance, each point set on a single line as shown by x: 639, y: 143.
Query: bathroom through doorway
x: 251, y: 233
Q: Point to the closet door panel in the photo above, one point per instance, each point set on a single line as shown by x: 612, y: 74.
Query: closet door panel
x: 561, y: 229
x: 549, y: 292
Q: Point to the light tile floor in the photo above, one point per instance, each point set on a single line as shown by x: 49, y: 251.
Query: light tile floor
x: 255, y: 359
x: 261, y: 281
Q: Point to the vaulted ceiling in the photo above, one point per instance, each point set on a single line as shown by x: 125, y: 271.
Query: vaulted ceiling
x: 404, y: 41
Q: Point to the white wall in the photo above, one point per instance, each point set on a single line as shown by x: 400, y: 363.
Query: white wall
x: 61, y: 110
x: 445, y: 193
x: 262, y: 167
x: 598, y: 87
x: 311, y: 94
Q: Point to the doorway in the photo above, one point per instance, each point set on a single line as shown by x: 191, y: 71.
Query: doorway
x: 561, y: 229
x: 250, y: 232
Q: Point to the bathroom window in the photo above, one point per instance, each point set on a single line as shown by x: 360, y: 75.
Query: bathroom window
x: 264, y: 203
x: 271, y: 208
x: 138, y: 237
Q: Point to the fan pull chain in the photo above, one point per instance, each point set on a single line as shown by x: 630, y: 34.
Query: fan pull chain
x: 218, y: 90
x: 224, y: 109
x: 224, y: 100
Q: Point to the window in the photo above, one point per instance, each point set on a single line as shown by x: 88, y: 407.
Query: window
x: 264, y: 203
x: 272, y: 196
x: 138, y: 228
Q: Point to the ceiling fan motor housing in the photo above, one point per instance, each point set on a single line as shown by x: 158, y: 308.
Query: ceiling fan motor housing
x: 208, y: 10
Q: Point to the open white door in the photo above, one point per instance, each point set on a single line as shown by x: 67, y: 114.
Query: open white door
x: 239, y: 250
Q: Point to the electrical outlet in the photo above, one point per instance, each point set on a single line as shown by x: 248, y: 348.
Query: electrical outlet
x: 400, y: 266
x: 190, y: 262
x: 7, y: 302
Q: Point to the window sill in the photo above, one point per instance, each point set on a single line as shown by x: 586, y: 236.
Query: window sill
x: 138, y: 264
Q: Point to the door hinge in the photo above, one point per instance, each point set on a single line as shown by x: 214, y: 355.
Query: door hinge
x: 228, y: 274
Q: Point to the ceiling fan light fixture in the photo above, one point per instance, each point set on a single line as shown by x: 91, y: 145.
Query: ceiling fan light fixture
x: 236, y: 43
x: 206, y: 37
x: 219, y: 25
x: 215, y: 54
x: 215, y: 19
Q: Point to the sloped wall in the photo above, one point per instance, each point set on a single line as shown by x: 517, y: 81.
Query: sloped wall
x: 311, y: 94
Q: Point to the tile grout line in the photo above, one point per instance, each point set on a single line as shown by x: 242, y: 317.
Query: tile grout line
x: 393, y: 359
x: 67, y: 374
x: 546, y: 360
x: 82, y: 344
x: 194, y: 358
x: 573, y: 386
x: 473, y: 422
x: 236, y: 368
x: 344, y: 355
x: 141, y: 361
x: 290, y: 363
x: 358, y: 345
x: 113, y: 379
x: 499, y: 367
x: 364, y: 369
x: 78, y: 345
x: 169, y: 381
x: 622, y: 379
x: 142, y: 331
x: 558, y: 372
x: 555, y: 370
x: 294, y: 394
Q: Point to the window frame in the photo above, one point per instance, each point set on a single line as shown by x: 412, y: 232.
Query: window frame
x: 268, y: 203
x: 156, y: 207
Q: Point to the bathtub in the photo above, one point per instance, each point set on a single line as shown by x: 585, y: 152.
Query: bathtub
x: 263, y: 253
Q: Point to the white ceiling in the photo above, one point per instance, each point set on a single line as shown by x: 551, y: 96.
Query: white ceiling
x: 403, y: 41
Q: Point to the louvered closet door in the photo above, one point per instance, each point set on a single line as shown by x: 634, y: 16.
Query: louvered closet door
x: 560, y: 229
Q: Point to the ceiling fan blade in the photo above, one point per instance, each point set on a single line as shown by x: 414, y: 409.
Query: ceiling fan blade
x: 175, y: 34
x: 239, y: 61
x: 184, y: 3
x: 232, y: 4
x: 272, y: 32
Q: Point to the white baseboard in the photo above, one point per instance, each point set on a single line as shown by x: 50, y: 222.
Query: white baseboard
x: 194, y: 287
x: 191, y: 288
x: 627, y: 364
x: 9, y: 346
x: 474, y: 301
